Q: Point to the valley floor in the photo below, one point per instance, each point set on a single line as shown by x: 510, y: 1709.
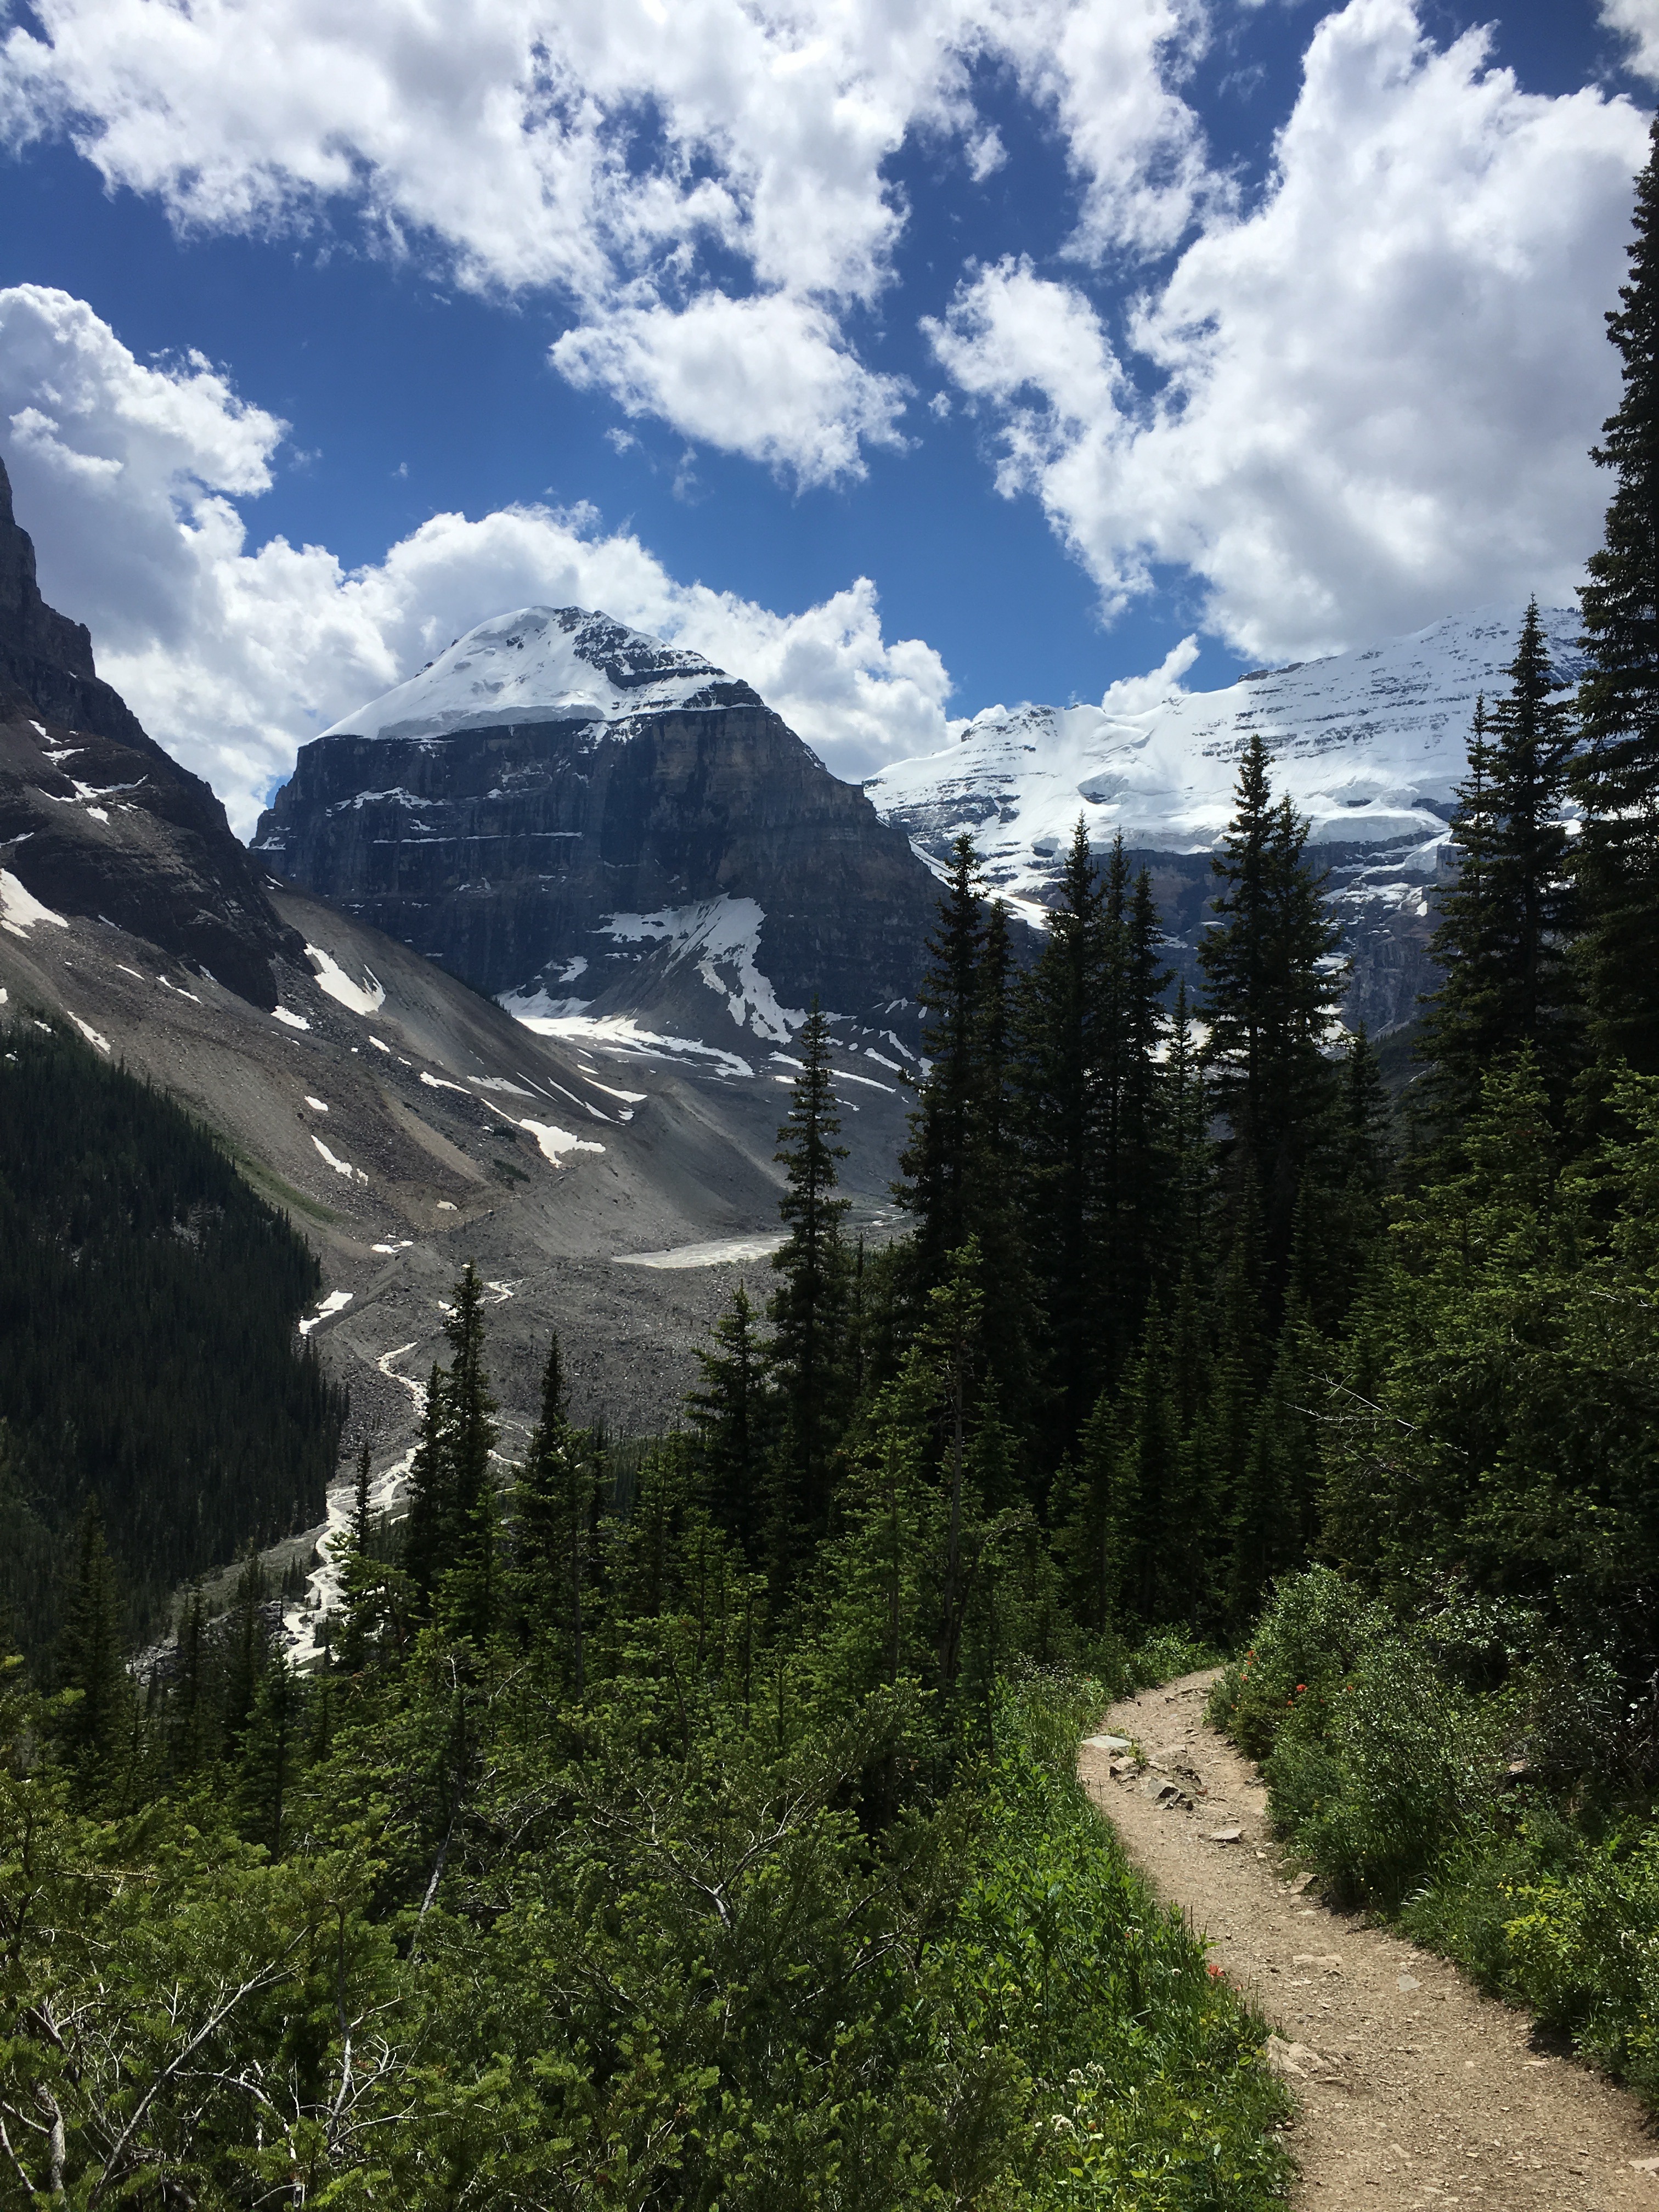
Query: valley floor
x: 1415, y: 2090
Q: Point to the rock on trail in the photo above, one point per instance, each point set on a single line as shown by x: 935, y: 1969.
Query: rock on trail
x: 1415, y: 2090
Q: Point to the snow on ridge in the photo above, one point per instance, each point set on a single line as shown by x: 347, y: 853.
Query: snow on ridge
x: 20, y: 910
x: 536, y: 664
x: 1368, y: 744
x: 719, y: 934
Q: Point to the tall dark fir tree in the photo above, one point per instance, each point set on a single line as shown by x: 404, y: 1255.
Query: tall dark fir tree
x: 1502, y: 945
x: 1272, y: 986
x: 1616, y: 777
x: 809, y: 1307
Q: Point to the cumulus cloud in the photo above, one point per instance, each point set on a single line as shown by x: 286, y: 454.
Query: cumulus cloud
x: 1374, y: 390
x: 616, y: 152
x: 128, y: 475
x: 1638, y: 21
x: 762, y: 376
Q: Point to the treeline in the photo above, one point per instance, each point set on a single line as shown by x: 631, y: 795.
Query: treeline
x: 150, y: 1372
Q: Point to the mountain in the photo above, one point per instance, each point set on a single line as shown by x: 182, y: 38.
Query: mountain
x: 580, y: 820
x: 96, y: 819
x: 1369, y: 745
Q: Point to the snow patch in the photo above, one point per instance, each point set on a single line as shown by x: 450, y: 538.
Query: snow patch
x: 366, y: 998
x: 437, y: 1083
x: 340, y: 1167
x: 20, y: 910
x: 403, y: 1245
x: 286, y: 1014
x: 620, y: 1033
x: 90, y: 1033
x: 555, y: 1142
x: 336, y: 1302
x: 316, y: 1104
x: 722, y: 936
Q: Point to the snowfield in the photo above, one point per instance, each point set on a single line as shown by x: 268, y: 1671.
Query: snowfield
x: 1368, y: 744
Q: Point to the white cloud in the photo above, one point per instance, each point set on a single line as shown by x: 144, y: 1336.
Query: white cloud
x: 1134, y: 695
x: 1378, y: 388
x: 764, y: 377
x: 608, y: 150
x: 126, y: 475
x: 1638, y: 21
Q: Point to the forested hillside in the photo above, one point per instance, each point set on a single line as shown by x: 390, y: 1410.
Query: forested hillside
x: 152, y: 1376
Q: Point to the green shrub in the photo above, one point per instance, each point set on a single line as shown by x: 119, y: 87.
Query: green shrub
x: 1305, y: 1645
x: 1380, y: 1779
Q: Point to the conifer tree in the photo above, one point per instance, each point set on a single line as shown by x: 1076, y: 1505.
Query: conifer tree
x: 1145, y: 1479
x: 1272, y: 987
x: 730, y: 1419
x: 940, y: 1163
x: 808, y: 1309
x: 1184, y: 1139
x: 1502, y: 945
x: 554, y: 1517
x: 247, y: 1646
x: 270, y: 1755
x: 453, y: 1519
x: 1060, y: 1132
x: 1275, y: 1505
x: 1617, y: 774
x: 91, y: 1661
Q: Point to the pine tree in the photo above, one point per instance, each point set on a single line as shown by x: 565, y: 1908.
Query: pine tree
x: 554, y: 1524
x: 247, y: 1646
x: 1182, y: 1125
x: 453, y: 1529
x: 730, y: 1420
x: 1059, y: 1125
x: 1275, y: 1505
x: 91, y: 1661
x: 808, y: 1309
x: 1145, y: 1480
x: 270, y: 1755
x: 1503, y: 943
x: 1617, y: 775
x: 940, y: 1163
x: 1272, y: 987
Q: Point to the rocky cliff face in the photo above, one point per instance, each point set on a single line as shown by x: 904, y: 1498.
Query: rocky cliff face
x: 96, y: 819
x: 568, y: 812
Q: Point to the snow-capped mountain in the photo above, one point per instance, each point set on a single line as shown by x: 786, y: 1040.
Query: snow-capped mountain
x: 589, y: 824
x: 1368, y: 744
x: 543, y: 664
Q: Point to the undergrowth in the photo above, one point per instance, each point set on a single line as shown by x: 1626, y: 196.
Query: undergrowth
x: 1457, y: 1775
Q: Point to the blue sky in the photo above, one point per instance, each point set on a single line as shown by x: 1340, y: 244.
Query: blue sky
x: 1105, y: 344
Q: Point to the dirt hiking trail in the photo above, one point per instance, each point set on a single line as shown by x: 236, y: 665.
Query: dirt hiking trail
x: 1414, y: 2091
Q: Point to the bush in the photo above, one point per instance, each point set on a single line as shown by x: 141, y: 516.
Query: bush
x: 1306, y: 1645
x: 1380, y: 1780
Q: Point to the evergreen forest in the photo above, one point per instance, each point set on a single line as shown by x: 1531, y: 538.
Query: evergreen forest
x: 694, y: 1825
x: 150, y: 1380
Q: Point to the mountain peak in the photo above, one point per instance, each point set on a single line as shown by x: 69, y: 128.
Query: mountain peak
x: 544, y: 665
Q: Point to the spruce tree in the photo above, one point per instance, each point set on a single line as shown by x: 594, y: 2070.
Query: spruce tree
x: 1616, y: 777
x: 1503, y: 942
x: 730, y: 1420
x: 91, y: 1661
x: 1272, y: 987
x: 940, y: 1161
x: 808, y: 1309
x: 1058, y: 1124
x: 556, y: 1511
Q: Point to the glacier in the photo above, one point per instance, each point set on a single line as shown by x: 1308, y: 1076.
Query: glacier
x: 1369, y: 745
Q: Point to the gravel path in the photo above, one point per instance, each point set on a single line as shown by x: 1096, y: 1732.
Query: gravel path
x: 1415, y: 2090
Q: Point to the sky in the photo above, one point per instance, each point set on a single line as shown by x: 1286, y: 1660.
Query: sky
x: 906, y: 356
